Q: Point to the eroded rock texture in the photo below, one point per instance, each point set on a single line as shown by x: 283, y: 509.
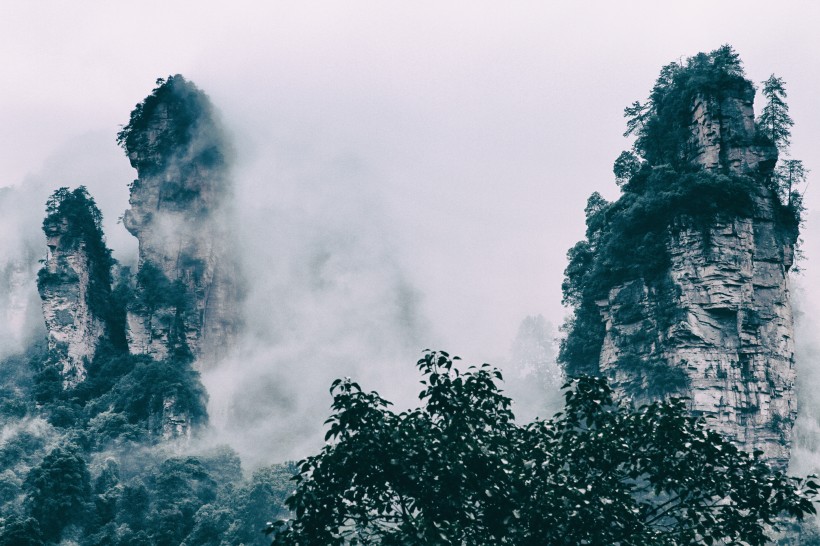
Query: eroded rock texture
x: 719, y: 329
x: 74, y: 283
x: 188, y: 282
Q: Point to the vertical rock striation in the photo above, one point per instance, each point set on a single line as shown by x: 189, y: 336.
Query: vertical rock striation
x: 719, y: 330
x: 188, y: 284
x: 74, y: 283
x: 681, y: 285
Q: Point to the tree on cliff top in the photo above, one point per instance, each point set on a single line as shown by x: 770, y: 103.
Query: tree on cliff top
x: 775, y: 121
x: 176, y: 121
x: 627, y: 239
x: 460, y: 471
x: 661, y: 125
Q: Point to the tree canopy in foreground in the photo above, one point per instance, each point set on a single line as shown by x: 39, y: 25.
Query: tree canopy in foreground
x: 459, y: 470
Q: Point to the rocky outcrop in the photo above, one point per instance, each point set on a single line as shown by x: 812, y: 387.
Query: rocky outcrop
x: 74, y: 283
x: 719, y: 329
x: 188, y: 284
x: 173, y: 422
x: 724, y: 137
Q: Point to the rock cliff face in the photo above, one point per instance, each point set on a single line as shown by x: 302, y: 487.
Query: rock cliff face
x: 74, y: 283
x: 188, y: 284
x: 180, y: 310
x: 172, y: 422
x: 719, y: 329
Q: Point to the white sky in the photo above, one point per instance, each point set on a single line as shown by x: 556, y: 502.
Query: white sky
x: 471, y: 132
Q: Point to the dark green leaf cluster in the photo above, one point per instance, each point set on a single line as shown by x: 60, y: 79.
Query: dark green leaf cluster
x: 662, y: 125
x: 460, y: 471
x: 774, y: 120
x: 176, y: 120
x: 58, y: 491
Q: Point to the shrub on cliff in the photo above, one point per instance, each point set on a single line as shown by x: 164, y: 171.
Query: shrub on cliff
x: 662, y: 192
x: 661, y: 125
x: 72, y: 216
x: 175, y: 121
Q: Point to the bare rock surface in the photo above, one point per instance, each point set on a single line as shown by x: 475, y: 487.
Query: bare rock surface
x: 188, y: 284
x: 721, y: 330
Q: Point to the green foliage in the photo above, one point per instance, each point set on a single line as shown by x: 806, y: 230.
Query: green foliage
x: 123, y: 396
x: 121, y: 295
x: 155, y: 290
x: 140, y: 394
x: 427, y: 476
x: 21, y: 531
x: 580, y: 349
x: 163, y: 299
x: 181, y: 486
x: 459, y: 471
x: 59, y: 491
x: 774, y: 120
x: 788, y: 178
x: 627, y: 240
x: 16, y: 383
x: 135, y: 503
x: 73, y: 217
x: 175, y: 121
x: 626, y: 166
x: 126, y: 496
x: 662, y: 124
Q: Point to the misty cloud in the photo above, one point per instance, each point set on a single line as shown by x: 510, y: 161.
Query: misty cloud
x: 406, y: 177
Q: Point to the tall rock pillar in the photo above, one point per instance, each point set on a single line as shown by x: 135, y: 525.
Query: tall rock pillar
x: 722, y: 322
x: 188, y: 283
x: 75, y: 282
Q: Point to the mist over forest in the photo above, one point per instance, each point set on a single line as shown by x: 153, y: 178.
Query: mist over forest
x: 400, y: 180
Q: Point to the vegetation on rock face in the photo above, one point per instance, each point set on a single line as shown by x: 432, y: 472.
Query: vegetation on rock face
x: 176, y: 121
x: 82, y: 465
x: 460, y: 471
x: 122, y: 392
x: 85, y: 464
x: 159, y: 299
x: 58, y: 491
x: 72, y: 218
x: 775, y: 121
x: 122, y: 398
x: 789, y: 176
x: 662, y: 193
x: 661, y: 125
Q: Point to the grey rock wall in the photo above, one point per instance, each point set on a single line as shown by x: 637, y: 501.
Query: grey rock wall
x: 74, y: 330
x: 182, y: 215
x: 720, y: 330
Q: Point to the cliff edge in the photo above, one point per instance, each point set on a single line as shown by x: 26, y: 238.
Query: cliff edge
x: 681, y: 287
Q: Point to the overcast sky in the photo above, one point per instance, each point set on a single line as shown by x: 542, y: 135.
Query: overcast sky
x: 464, y: 136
